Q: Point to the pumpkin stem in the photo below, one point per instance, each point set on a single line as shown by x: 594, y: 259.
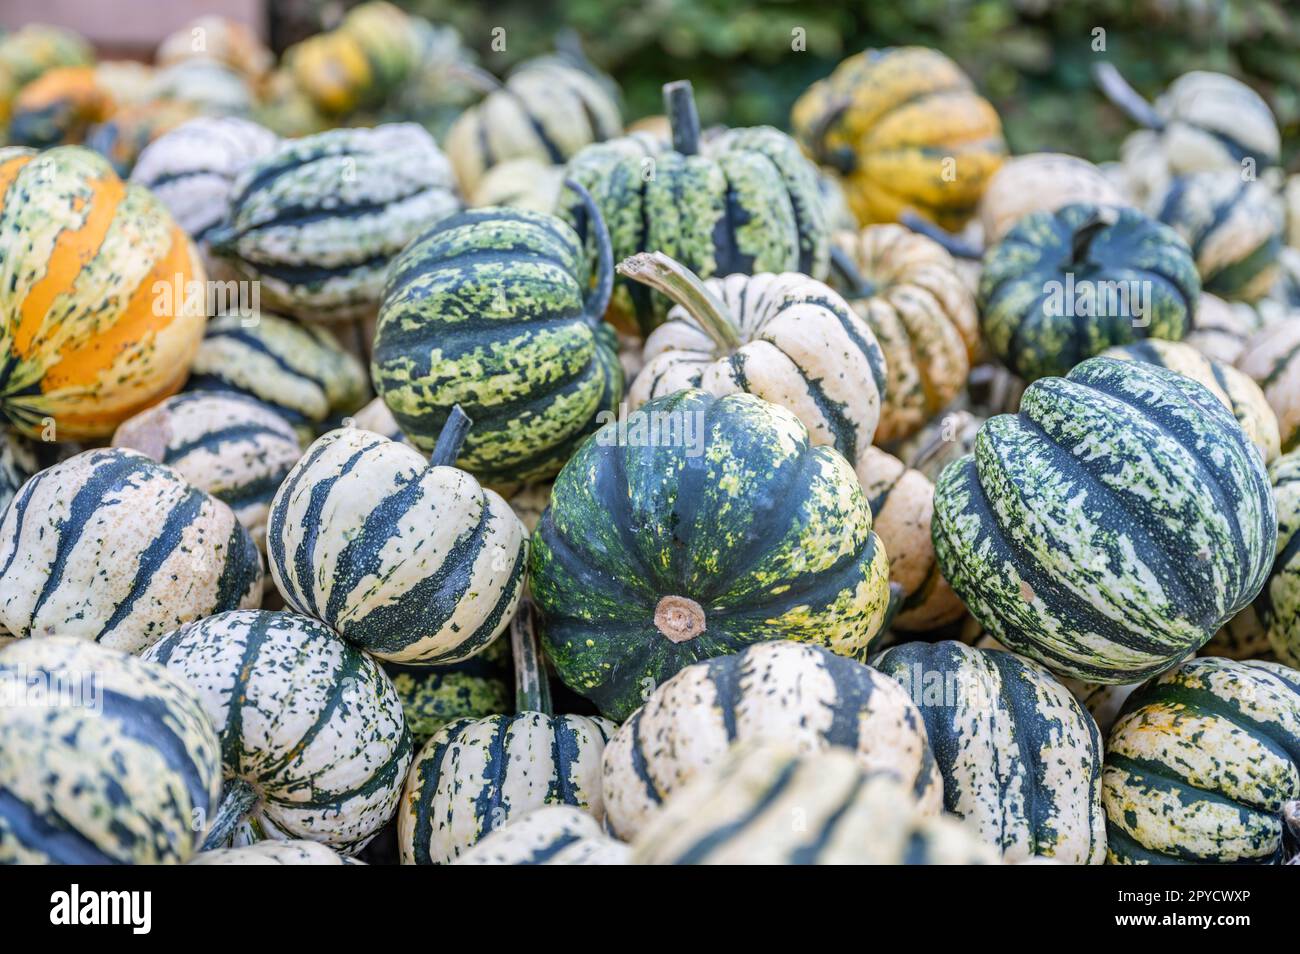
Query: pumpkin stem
x: 451, y: 438
x: 532, y: 688
x: 952, y: 244
x: 680, y: 618
x: 683, y: 118
x: 1117, y: 89
x: 238, y: 798
x: 855, y: 283
x: 672, y: 278
x: 593, y: 227
x: 1102, y: 217
x: 475, y: 77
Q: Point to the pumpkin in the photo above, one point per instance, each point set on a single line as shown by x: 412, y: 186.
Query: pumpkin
x: 295, y: 852
x: 908, y: 291
x: 1221, y: 329
x: 299, y: 371
x: 694, y: 528
x: 58, y: 108
x: 786, y: 338
x: 432, y: 696
x: 408, y: 558
x: 286, y: 109
x: 521, y: 184
x: 210, y: 87
x: 317, y: 219
x: 1277, y: 610
x: 767, y: 803
x: 1270, y: 358
x: 368, y: 56
x: 906, y: 130
x: 229, y: 445
x: 18, y: 463
x: 1234, y: 388
x: 35, y: 48
x: 742, y: 201
x: 86, y: 339
x: 117, y: 773
x: 312, y: 737
x: 839, y: 217
x: 551, y: 835
x: 1234, y: 227
x: 547, y: 110
x: 1061, y: 287
x: 129, y: 130
x: 217, y: 38
x: 477, y: 775
x: 939, y: 443
x: 495, y: 310
x: 1201, y: 765
x: 111, y: 546
x: 1112, y: 526
x: 443, y: 82
x: 785, y: 692
x: 1019, y: 756
x: 1041, y: 182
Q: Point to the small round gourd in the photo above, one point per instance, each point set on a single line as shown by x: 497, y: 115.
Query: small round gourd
x: 1277, y: 610
x: 520, y: 184
x: 113, y: 547
x: 296, y: 852
x: 432, y: 696
x: 58, y: 108
x: 1221, y: 329
x: 312, y: 736
x: 125, y: 134
x: 408, y: 558
x: 1272, y: 358
x: 1112, y: 526
x: 1041, y: 182
x: 1019, y: 755
x: 34, y: 48
x: 116, y: 774
x: 779, y: 691
x: 19, y: 462
x: 551, y: 835
x: 217, y: 38
x: 212, y: 88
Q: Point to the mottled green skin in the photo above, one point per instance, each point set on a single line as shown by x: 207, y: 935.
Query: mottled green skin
x: 1278, y: 606
x: 432, y: 696
x: 771, y: 537
x: 1112, y: 526
x: 749, y: 203
x: 1033, y: 335
x: 489, y: 310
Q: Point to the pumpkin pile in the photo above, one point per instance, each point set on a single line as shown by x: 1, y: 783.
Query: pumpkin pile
x: 404, y: 464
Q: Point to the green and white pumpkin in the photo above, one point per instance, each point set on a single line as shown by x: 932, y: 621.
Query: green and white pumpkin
x: 1272, y: 358
x: 1202, y: 763
x: 1041, y: 182
x: 1277, y: 610
x: 1112, y: 526
x: 409, y: 559
x: 1020, y: 757
x: 213, y: 87
x: 780, y: 691
x: 313, y: 742
x: 552, y: 835
x: 116, y: 774
x: 111, y: 546
x: 317, y: 220
x: 1221, y: 329
x: 432, y: 696
x: 296, y: 852
x: 18, y: 464
x: 657, y: 552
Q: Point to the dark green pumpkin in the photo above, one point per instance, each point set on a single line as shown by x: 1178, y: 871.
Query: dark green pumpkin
x: 658, y: 551
x: 1064, y: 286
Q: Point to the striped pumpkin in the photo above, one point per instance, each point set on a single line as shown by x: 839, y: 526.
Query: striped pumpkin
x: 18, y: 463
x: 317, y: 220
x: 1064, y: 286
x: 1201, y: 764
x: 299, y: 371
x: 1041, y: 182
x: 59, y: 108
x: 658, y: 551
x: 906, y: 129
x: 1221, y: 329
x: 1109, y: 528
x: 1234, y: 388
x: 111, y: 546
x: 547, y: 110
x: 409, y: 559
x: 908, y: 291
x: 117, y: 773
x: 521, y: 184
x: 297, y: 852
x: 311, y: 729
x: 1272, y: 358
x: 235, y: 448
x: 495, y: 310
x: 1020, y: 757
x: 129, y: 130
x: 1277, y: 610
x: 786, y: 338
x: 432, y: 696
x: 211, y: 88
x: 1234, y: 227
x: 781, y: 692
x: 86, y: 339
x: 939, y: 443
x: 767, y: 803
x: 740, y: 201
x: 552, y: 835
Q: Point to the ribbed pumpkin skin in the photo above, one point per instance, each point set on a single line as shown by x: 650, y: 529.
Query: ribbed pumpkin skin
x: 748, y: 203
x: 359, y: 63
x: 1222, y: 329
x: 761, y: 534
x: 802, y: 347
x: 1200, y: 763
x: 1278, y: 605
x: 412, y: 562
x: 1214, y: 121
x: 432, y: 696
x: 84, y: 337
x: 58, y: 108
x: 1019, y: 756
x: 474, y: 776
x: 329, y: 765
x: 115, y: 776
x: 1024, y: 299
x: 552, y: 835
x: 1272, y: 358
x: 274, y: 853
x: 781, y: 692
x: 111, y: 546
x: 1041, y: 182
x: 489, y: 310
x: 318, y: 219
x: 769, y: 804
x: 923, y: 315
x: 521, y: 184
x: 888, y: 120
x: 1112, y: 526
